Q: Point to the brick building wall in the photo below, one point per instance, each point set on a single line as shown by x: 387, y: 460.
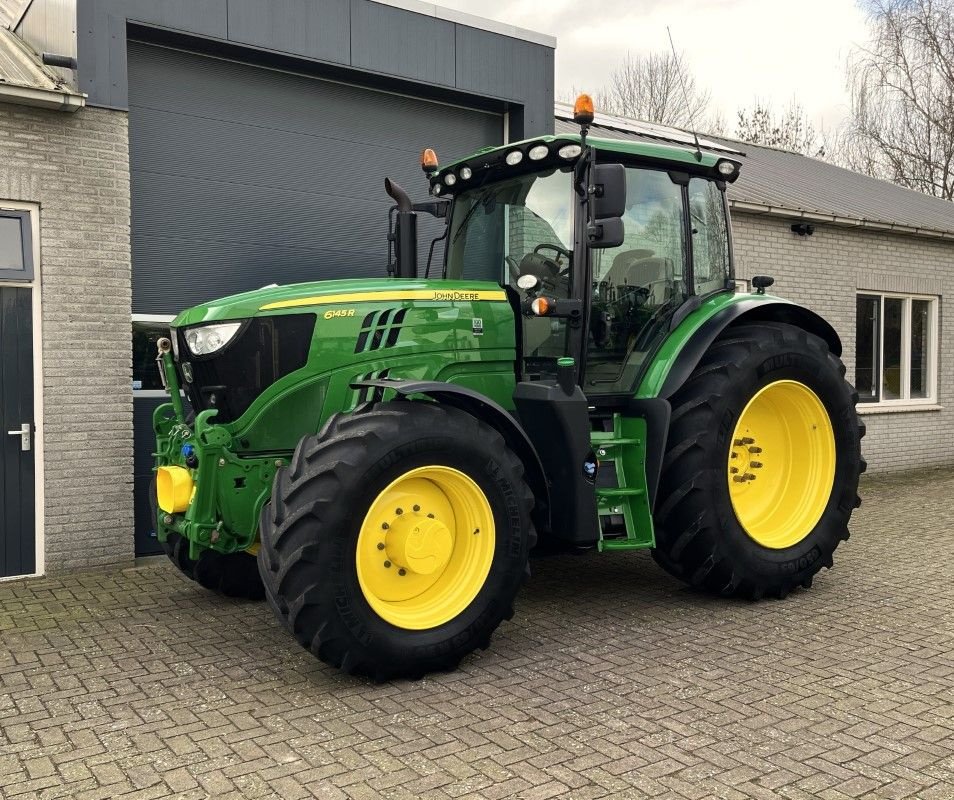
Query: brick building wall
x: 825, y: 272
x: 76, y: 167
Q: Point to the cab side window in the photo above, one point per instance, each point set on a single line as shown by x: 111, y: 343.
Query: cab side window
x: 710, y: 236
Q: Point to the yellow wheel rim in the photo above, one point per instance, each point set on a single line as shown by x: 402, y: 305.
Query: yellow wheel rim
x: 781, y: 464
x: 425, y: 547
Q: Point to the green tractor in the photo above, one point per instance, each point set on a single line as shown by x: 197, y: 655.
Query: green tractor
x: 378, y: 457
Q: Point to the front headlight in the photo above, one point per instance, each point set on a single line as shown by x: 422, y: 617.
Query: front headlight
x: 208, y: 339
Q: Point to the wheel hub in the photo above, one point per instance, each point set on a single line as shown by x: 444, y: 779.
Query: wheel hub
x: 745, y: 460
x: 418, y: 543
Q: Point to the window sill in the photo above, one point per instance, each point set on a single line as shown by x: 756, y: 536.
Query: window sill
x: 899, y: 408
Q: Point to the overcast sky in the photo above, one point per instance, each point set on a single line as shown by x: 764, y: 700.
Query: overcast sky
x: 741, y: 50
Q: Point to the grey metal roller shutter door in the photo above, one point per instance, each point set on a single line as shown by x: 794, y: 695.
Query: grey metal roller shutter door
x: 243, y: 176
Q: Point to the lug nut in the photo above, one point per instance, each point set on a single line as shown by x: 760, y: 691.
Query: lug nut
x: 739, y: 478
x: 733, y: 454
x: 755, y: 464
x: 380, y: 545
x: 755, y: 449
x: 747, y: 440
x: 417, y: 508
x: 398, y: 510
x: 733, y: 470
x: 385, y: 526
x: 430, y: 516
x: 402, y: 571
x: 387, y: 563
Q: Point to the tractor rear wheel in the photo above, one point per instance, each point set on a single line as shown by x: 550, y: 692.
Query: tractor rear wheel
x: 761, y: 471
x: 397, y: 539
x: 230, y: 574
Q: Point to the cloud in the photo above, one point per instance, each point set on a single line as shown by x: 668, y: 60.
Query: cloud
x: 741, y: 50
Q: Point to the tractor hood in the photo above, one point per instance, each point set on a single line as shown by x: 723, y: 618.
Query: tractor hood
x: 311, y: 296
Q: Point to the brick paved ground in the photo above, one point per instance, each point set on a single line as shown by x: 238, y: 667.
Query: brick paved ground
x: 612, y: 681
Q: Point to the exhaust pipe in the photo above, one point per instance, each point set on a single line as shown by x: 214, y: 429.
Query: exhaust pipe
x: 404, y: 235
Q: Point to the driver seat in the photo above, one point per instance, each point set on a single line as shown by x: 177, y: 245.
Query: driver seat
x: 655, y: 274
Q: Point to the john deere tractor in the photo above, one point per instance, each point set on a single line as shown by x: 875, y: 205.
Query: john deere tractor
x: 378, y: 457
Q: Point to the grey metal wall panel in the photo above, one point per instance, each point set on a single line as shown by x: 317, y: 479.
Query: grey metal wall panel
x: 436, y: 56
x: 390, y: 40
x: 243, y: 176
x: 202, y: 18
x: 312, y: 29
x: 488, y: 63
x: 101, y: 38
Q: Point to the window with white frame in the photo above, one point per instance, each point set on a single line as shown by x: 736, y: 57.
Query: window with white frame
x: 896, y: 348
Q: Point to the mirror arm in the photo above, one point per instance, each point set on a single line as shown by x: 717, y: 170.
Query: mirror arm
x: 436, y: 208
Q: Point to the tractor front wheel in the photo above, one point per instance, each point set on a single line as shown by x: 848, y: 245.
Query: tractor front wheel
x: 761, y: 471
x: 397, y: 539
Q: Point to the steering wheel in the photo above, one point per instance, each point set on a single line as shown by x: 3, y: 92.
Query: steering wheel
x: 560, y: 251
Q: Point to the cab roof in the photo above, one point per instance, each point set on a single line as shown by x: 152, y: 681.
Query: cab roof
x: 494, y: 158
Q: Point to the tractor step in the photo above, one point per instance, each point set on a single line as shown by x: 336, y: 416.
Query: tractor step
x: 625, y: 446
x: 623, y: 492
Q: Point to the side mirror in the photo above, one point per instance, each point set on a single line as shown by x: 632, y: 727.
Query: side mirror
x: 605, y: 233
x: 609, y: 190
x: 607, y: 205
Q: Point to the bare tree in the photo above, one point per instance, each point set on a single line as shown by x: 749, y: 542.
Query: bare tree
x: 790, y: 130
x: 901, y: 126
x: 655, y: 87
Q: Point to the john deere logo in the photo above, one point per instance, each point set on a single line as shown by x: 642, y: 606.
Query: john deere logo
x: 339, y: 312
x: 456, y: 297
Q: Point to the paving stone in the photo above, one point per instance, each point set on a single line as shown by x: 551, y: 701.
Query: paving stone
x: 613, y: 680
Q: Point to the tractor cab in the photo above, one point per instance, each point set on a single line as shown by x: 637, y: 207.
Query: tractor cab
x: 599, y: 244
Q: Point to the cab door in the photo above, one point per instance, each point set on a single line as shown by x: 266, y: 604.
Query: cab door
x: 639, y: 285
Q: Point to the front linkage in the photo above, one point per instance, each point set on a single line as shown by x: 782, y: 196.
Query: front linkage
x: 206, y: 494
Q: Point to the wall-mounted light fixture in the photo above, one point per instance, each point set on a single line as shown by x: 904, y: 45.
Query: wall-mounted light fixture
x: 803, y: 229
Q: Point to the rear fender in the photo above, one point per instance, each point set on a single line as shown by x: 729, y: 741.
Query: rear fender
x: 740, y: 313
x: 485, y: 409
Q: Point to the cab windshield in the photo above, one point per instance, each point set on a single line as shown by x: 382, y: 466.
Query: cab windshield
x: 520, y: 226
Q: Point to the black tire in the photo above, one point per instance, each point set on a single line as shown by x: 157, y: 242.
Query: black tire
x: 230, y: 574
x: 310, y: 531
x: 698, y: 537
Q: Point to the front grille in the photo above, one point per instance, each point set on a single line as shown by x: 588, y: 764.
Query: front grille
x: 265, y: 350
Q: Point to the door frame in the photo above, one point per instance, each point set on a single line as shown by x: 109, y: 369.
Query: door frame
x: 34, y: 285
